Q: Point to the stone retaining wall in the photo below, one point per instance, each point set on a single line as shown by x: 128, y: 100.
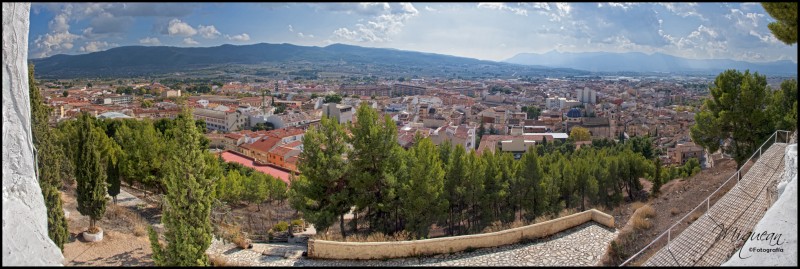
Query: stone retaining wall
x: 321, y: 249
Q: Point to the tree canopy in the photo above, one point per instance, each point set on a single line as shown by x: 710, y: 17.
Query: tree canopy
x: 785, y: 26
x: 734, y: 116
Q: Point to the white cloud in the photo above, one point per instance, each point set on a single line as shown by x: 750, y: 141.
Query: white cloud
x: 301, y: 35
x: 208, y: 32
x: 683, y: 9
x: 95, y: 46
x: 502, y: 6
x: 290, y: 28
x: 54, y: 43
x: 59, y: 39
x: 190, y: 41
x: 382, y: 27
x: 150, y: 41
x: 430, y: 9
x: 60, y: 22
x: 242, y: 37
x: 177, y: 27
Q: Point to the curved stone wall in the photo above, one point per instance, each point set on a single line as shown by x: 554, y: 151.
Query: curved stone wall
x: 321, y: 249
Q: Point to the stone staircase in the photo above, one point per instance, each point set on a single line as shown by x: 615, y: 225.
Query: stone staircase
x: 713, y: 238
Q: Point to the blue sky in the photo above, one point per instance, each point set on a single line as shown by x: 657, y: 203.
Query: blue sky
x: 488, y: 31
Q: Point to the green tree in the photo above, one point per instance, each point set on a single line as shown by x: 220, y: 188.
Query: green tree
x: 734, y: 114
x: 322, y: 191
x: 113, y: 179
x: 580, y: 134
x: 65, y: 93
x: 333, y: 98
x: 147, y: 104
x: 473, y: 189
x: 532, y: 112
x: 657, y: 178
x: 782, y: 104
x: 189, y: 194
x: 454, y: 191
x: 785, y: 26
x: 373, y: 140
x: 495, y: 188
x: 49, y: 160
x: 421, y: 195
x: 532, y: 197
x: 90, y: 172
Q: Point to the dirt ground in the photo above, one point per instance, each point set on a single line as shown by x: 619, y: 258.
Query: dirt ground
x: 122, y: 247
x: 678, y: 197
x: 119, y: 247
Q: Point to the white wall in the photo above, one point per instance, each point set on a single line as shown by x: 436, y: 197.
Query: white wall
x: 25, y: 240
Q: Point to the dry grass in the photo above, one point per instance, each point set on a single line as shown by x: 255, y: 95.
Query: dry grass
x: 374, y: 237
x: 696, y: 215
x: 620, y: 248
x: 647, y: 211
x: 635, y: 206
x: 217, y: 260
x: 129, y: 219
x: 233, y: 233
x: 641, y: 217
x: 641, y: 223
x: 674, y: 211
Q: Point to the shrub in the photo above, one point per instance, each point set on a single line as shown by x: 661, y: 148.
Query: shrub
x: 641, y: 217
x: 647, y: 211
x: 674, y: 211
x: 219, y: 261
x: 241, y: 241
x: 298, y: 222
x: 139, y: 230
x: 282, y: 226
x: 641, y: 223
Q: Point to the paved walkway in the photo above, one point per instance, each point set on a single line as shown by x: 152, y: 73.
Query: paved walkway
x: 714, y: 237
x: 583, y: 245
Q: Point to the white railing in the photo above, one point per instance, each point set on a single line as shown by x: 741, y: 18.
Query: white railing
x: 707, y: 201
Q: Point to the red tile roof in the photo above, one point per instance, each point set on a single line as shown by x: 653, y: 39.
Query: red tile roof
x: 229, y: 156
x: 264, y: 145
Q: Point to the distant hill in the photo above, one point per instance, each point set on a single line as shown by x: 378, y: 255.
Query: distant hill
x: 640, y: 62
x: 146, y: 60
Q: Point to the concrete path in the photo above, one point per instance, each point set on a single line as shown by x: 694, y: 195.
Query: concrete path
x: 715, y: 236
x: 580, y: 246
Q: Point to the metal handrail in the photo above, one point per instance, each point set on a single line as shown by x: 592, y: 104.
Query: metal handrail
x: 707, y: 201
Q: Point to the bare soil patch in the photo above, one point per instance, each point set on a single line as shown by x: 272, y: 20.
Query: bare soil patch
x: 120, y: 245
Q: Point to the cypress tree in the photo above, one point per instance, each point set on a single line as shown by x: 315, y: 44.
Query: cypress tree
x: 50, y: 158
x: 189, y: 194
x: 90, y: 172
x: 657, y: 178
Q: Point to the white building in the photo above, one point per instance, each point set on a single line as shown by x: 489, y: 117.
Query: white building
x: 221, y: 118
x: 343, y: 113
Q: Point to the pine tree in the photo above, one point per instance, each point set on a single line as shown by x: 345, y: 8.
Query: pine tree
x: 533, y: 198
x: 454, y: 191
x: 50, y: 157
x: 322, y: 191
x: 736, y: 111
x: 189, y: 194
x: 785, y: 26
x: 422, y: 201
x: 373, y: 140
x: 90, y: 172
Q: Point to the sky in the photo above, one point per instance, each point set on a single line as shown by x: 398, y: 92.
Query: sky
x: 486, y: 31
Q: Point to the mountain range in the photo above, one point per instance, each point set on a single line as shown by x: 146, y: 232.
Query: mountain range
x: 129, y: 61
x: 640, y: 62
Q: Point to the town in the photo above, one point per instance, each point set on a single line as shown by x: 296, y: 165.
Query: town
x: 264, y: 121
